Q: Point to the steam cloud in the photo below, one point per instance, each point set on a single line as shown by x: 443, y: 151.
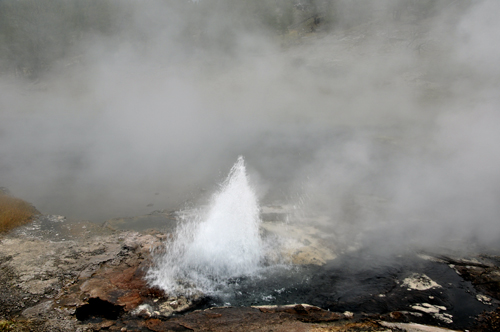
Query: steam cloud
x: 387, y: 122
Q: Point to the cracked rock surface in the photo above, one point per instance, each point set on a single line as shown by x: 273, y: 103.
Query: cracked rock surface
x: 46, y: 281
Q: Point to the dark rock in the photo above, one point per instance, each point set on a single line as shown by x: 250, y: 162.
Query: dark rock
x: 483, y: 271
x: 39, y: 310
x: 305, y: 313
x: 159, y: 325
x: 488, y: 321
x: 276, y: 318
x: 98, y: 308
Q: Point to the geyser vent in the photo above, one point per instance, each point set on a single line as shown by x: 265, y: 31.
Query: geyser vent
x: 219, y: 243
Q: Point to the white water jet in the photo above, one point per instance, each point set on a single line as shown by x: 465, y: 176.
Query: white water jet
x: 215, y: 245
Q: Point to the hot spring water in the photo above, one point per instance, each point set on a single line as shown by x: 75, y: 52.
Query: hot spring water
x: 218, y: 254
x: 217, y: 244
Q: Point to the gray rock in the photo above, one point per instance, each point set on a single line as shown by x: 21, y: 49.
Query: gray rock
x: 39, y: 310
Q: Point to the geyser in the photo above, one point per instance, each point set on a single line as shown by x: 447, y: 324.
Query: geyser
x: 216, y: 244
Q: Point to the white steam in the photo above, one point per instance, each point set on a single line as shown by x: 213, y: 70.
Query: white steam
x: 385, y: 122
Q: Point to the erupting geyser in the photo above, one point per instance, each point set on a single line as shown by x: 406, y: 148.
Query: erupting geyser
x: 215, y: 245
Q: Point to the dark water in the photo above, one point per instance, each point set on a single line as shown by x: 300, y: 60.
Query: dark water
x: 362, y: 283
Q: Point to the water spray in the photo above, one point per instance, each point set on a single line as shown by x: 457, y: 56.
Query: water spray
x: 217, y: 244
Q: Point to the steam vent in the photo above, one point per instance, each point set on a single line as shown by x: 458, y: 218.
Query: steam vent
x: 249, y: 165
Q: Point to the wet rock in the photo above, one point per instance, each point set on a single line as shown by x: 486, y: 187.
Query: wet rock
x: 144, y: 311
x: 413, y: 327
x: 303, y: 244
x: 253, y: 319
x: 176, y: 305
x: 419, y: 282
x: 488, y: 321
x: 56, y: 228
x: 160, y: 219
x: 306, y: 313
x: 287, y: 318
x: 434, y: 310
x: 486, y: 279
x: 484, y: 299
x: 482, y: 270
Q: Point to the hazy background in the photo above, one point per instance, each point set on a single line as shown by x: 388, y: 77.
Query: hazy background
x: 381, y: 115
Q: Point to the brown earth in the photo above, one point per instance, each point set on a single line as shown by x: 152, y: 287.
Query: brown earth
x: 14, y: 212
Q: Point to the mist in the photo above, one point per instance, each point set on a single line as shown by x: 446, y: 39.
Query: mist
x: 383, y: 116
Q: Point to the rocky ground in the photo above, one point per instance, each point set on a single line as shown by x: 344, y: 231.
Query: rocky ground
x: 63, y: 275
